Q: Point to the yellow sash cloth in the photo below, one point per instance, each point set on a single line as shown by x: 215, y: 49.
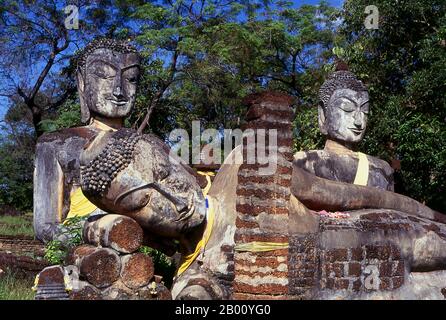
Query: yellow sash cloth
x: 187, y: 260
x: 260, y: 246
x: 362, y: 173
x: 208, y: 175
x: 79, y: 205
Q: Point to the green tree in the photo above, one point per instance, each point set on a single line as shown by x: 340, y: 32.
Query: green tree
x: 16, y: 159
x: 403, y: 63
x: 36, y: 48
x: 202, y: 58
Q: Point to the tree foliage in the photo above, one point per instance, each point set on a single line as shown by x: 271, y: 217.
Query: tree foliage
x: 403, y: 63
x: 201, y: 58
x: 204, y: 57
x: 16, y: 159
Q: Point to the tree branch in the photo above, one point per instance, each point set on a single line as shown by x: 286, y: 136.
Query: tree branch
x: 62, y: 98
x: 22, y: 94
x: 161, y: 91
x: 42, y: 76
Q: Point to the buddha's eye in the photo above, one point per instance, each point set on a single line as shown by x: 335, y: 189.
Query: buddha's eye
x: 346, y: 105
x: 132, y: 79
x: 365, y: 108
x: 104, y: 72
x: 101, y: 74
x: 131, y: 74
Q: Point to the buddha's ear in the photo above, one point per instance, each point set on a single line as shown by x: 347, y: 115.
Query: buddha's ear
x: 85, y: 111
x: 322, y: 118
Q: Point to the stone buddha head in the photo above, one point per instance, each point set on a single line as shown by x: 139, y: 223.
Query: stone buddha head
x: 107, y: 78
x: 343, y: 107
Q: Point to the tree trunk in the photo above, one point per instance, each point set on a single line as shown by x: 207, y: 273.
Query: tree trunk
x: 37, y: 117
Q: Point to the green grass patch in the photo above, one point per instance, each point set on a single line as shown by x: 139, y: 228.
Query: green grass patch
x: 14, y: 287
x: 16, y: 225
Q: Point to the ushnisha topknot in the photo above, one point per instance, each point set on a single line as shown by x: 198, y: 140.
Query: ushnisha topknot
x: 340, y: 79
x: 121, y: 46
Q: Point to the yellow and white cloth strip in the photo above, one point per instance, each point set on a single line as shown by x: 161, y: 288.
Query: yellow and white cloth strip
x: 362, y: 173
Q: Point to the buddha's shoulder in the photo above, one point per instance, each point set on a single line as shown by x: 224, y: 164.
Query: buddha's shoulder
x: 379, y: 164
x: 66, y: 135
x: 310, y: 155
x: 151, y: 138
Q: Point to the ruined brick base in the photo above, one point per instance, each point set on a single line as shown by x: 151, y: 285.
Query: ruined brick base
x: 361, y: 258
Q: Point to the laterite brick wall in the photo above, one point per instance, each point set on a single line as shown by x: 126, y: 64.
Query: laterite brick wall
x: 262, y: 203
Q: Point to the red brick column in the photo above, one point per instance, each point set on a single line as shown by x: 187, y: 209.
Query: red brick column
x: 262, y: 202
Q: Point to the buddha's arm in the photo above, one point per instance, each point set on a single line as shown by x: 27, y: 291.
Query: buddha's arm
x: 317, y: 193
x: 48, y: 192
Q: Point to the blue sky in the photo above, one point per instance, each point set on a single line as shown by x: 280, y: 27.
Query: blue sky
x: 337, y: 3
x: 3, y: 106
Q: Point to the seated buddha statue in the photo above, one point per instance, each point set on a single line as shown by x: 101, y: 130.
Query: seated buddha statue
x: 392, y: 246
x: 107, y: 77
x: 339, y: 177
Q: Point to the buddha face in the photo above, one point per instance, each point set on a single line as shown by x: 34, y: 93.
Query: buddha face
x: 107, y: 85
x: 345, y: 116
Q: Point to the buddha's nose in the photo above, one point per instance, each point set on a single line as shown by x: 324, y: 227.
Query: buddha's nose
x: 117, y: 92
x: 358, y: 120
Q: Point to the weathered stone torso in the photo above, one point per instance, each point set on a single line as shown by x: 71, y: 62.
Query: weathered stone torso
x: 68, y: 145
x: 57, y: 176
x: 342, y: 167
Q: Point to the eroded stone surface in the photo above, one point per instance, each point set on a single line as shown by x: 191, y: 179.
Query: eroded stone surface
x: 101, y: 268
x: 137, y: 270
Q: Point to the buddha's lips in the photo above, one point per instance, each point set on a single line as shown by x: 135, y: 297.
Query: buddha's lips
x: 118, y: 102
x: 356, y: 131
